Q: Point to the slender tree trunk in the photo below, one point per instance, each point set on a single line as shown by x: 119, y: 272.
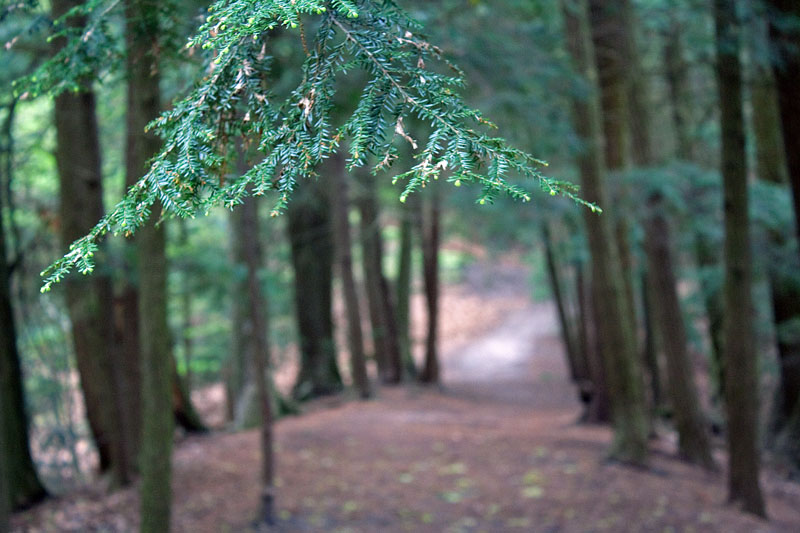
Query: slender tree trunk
x: 382, y: 312
x: 651, y: 342
x: 403, y: 287
x: 23, y: 485
x: 310, y: 233
x: 677, y: 77
x: 693, y: 440
x: 430, y: 231
x: 785, y: 37
x: 157, y: 364
x: 609, y: 297
x: 185, y: 414
x: 578, y: 372
x: 739, y: 355
x: 186, y: 311
x: 89, y: 300
x: 595, y: 391
x: 253, y: 331
x: 340, y: 206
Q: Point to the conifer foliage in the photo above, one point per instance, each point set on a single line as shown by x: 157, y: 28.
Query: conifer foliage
x: 406, y: 81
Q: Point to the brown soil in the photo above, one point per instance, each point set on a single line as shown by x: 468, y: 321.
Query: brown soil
x: 498, y: 449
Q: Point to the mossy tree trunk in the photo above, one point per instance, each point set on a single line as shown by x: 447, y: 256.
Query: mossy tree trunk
x: 608, y: 287
x: 739, y: 356
x: 310, y: 234
x: 144, y: 104
x: 340, y: 207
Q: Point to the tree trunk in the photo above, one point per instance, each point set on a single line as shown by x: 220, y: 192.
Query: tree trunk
x: 677, y: 77
x: 185, y: 414
x: 741, y: 370
x: 608, y: 20
x: 785, y: 37
x: 693, y: 440
x: 578, y: 371
x: 253, y: 333
x: 340, y: 206
x: 382, y: 312
x: 595, y: 392
x: 784, y: 286
x: 651, y: 342
x: 89, y: 299
x: 157, y: 364
x: 403, y: 287
x: 430, y: 231
x: 309, y: 227
x: 608, y: 293
x: 23, y: 485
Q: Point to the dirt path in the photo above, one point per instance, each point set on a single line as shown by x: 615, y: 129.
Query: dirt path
x: 497, y: 449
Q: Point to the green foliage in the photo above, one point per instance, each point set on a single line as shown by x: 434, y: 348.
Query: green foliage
x: 407, y: 79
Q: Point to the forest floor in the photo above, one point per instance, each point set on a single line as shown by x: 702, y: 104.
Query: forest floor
x: 498, y: 448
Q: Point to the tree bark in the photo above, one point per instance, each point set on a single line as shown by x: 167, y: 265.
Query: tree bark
x: 381, y: 304
x: 157, y: 364
x: 340, y: 206
x: 608, y: 20
x: 782, y: 274
x: 253, y: 333
x: 785, y: 37
x: 309, y: 226
x: 430, y: 232
x: 89, y: 299
x: 403, y: 287
x: 23, y: 486
x: 693, y: 440
x: 739, y: 355
x: 608, y: 293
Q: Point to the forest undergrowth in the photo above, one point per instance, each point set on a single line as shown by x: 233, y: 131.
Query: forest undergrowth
x: 498, y: 448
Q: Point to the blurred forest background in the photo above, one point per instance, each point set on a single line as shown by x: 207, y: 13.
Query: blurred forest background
x: 677, y: 309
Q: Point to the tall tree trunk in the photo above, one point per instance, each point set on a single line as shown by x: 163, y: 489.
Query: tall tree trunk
x: 186, y: 415
x: 430, y: 231
x: 23, y: 487
x: 144, y: 97
x: 403, y: 286
x: 784, y: 286
x: 578, y: 371
x: 785, y: 36
x: 608, y: 293
x: 608, y: 20
x: 741, y: 392
x: 651, y: 342
x: 340, y: 206
x: 89, y: 300
x: 309, y: 225
x: 595, y: 392
x: 693, y: 440
x: 677, y: 77
x: 382, y: 312
x: 253, y: 332
x: 5, y: 500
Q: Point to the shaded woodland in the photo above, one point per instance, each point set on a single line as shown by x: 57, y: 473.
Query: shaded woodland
x: 376, y: 266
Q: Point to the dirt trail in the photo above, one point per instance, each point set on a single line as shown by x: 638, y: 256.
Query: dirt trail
x: 497, y: 449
